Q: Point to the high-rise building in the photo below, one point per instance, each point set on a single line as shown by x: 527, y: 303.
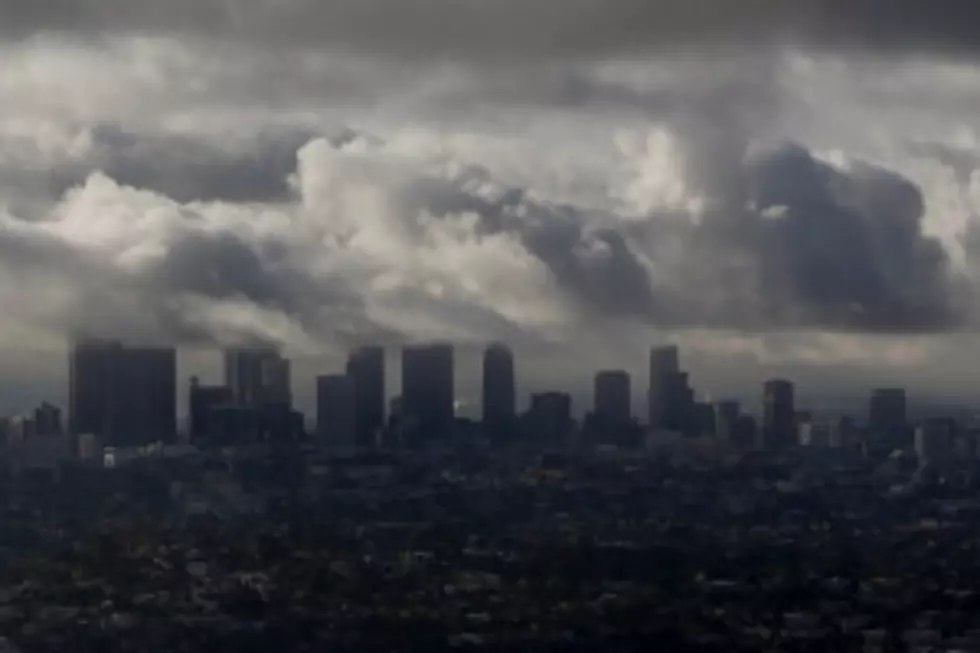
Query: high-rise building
x: 124, y: 395
x: 888, y: 429
x: 257, y: 377
x: 779, y: 414
x: 887, y: 409
x: 550, y: 417
x: 144, y: 404
x: 726, y: 413
x: 366, y: 370
x: 47, y: 420
x: 428, y: 392
x: 664, y: 361
x: 499, y: 391
x: 91, y: 365
x: 336, y: 414
x: 935, y: 440
x: 611, y: 398
x: 203, y: 400
x: 677, y: 405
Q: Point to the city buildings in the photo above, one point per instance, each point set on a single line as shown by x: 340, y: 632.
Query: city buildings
x: 664, y: 362
x: 203, y: 401
x: 123, y: 394
x: 337, y: 411
x: 887, y: 420
x: 779, y: 414
x: 550, y: 417
x: 257, y: 377
x: 499, y: 406
x: 366, y: 371
x: 428, y: 392
x: 612, y: 399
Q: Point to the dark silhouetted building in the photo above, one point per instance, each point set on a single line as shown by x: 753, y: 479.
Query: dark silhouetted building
x: 887, y: 420
x: 144, y: 405
x: 124, y: 395
x: 935, y: 440
x: 257, y: 377
x: 704, y: 420
x: 203, y: 400
x: 91, y: 377
x: 611, y: 398
x: 499, y: 391
x: 366, y: 370
x: 259, y: 380
x: 779, y: 414
x: 47, y: 420
x: 744, y: 433
x: 549, y: 418
x: 428, y: 392
x: 677, y: 407
x: 336, y: 414
x: 664, y: 361
x: 726, y: 413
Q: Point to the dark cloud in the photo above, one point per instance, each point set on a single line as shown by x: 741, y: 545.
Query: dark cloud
x: 816, y: 247
x: 514, y: 28
x: 187, y: 168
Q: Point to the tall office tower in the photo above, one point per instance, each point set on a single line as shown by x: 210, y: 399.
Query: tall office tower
x: 935, y: 440
x: 144, y: 402
x: 677, y: 406
x: 779, y: 414
x: 887, y: 419
x: 550, y: 417
x: 428, y: 394
x: 47, y: 420
x: 726, y: 413
x: 125, y: 396
x: 366, y: 370
x: 203, y: 401
x: 91, y: 366
x: 257, y: 377
x: 499, y: 391
x: 336, y: 412
x: 664, y: 361
x: 611, y: 399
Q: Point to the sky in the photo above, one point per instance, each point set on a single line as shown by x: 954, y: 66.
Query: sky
x: 781, y: 187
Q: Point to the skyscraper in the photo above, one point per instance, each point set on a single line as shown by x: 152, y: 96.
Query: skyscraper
x: 779, y: 414
x: 366, y: 370
x: 336, y: 414
x: 499, y: 392
x: 91, y: 365
x: 144, y: 404
x: 726, y: 413
x: 612, y: 399
x: 677, y: 405
x: 428, y: 394
x: 550, y: 417
x: 664, y: 361
x: 203, y: 401
x: 124, y: 395
x: 257, y: 377
x: 887, y: 419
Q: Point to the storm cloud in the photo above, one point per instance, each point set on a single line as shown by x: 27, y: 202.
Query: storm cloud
x: 377, y: 243
x: 776, y: 179
x: 504, y: 29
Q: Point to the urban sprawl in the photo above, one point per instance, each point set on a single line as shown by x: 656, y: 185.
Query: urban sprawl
x: 402, y: 526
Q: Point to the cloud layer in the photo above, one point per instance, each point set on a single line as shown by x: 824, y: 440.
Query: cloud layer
x: 605, y: 181
x: 505, y: 29
x: 360, y: 238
